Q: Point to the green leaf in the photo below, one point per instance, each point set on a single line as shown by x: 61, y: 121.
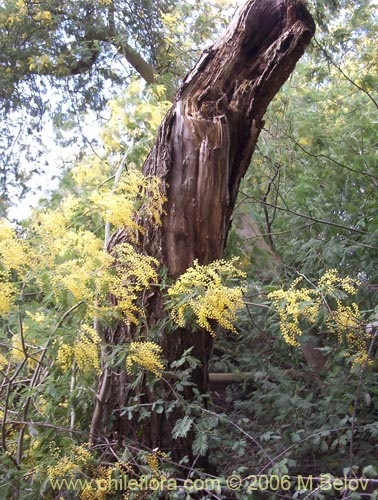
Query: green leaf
x: 182, y: 427
x: 200, y: 444
x: 370, y: 471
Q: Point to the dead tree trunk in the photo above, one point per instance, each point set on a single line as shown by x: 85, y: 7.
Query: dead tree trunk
x: 202, y: 151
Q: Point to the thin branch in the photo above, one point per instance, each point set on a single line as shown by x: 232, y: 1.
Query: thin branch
x: 256, y: 304
x: 35, y: 377
x: 72, y: 403
x: 145, y: 69
x: 297, y: 214
x: 249, y: 436
x: 46, y: 425
x: 21, y: 331
x: 268, y: 222
x: 100, y: 399
x: 329, y: 58
x: 6, y: 407
x: 310, y: 436
x: 230, y: 378
x: 326, y: 157
x: 278, y: 233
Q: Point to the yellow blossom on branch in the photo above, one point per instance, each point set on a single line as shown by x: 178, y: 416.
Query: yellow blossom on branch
x: 85, y: 350
x: 7, y: 292
x: 299, y: 308
x: 15, y: 253
x: 70, y: 465
x: 203, y: 293
x: 295, y: 305
x: 347, y: 323
x: 145, y: 355
x: 133, y: 193
x: 17, y: 351
x: 64, y: 356
x: 331, y: 281
x: 132, y: 272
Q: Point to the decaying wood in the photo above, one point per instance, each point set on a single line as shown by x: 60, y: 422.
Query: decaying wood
x: 207, y: 139
x: 202, y: 151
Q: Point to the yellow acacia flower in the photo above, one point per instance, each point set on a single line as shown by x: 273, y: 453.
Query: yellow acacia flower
x: 6, y: 231
x: 347, y: 323
x: 294, y: 305
x: 43, y: 16
x: 133, y: 192
x: 7, y: 292
x: 85, y: 351
x: 64, y: 356
x: 114, y: 208
x: 145, y: 355
x: 69, y: 465
x: 297, y: 304
x: 91, y: 172
x: 15, y: 253
x: 97, y: 491
x: 152, y: 460
x: 331, y: 281
x: 131, y: 274
x: 38, y: 317
x: 202, y: 291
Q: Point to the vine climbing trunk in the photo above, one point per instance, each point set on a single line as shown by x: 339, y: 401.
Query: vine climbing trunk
x: 203, y: 149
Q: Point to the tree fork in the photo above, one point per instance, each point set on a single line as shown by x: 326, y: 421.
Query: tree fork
x: 203, y: 149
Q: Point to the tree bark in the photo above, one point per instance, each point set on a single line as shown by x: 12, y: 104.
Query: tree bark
x: 202, y: 151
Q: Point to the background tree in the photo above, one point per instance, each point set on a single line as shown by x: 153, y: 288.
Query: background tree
x: 60, y: 62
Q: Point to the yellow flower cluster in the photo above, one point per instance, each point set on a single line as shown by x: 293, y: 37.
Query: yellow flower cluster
x: 70, y: 465
x: 347, y: 323
x: 134, y: 192
x: 202, y: 292
x: 73, y: 260
x: 132, y: 273
x: 44, y: 16
x: 98, y: 488
x: 97, y: 484
x: 116, y: 207
x: 331, y: 281
x: 294, y: 305
x: 37, y: 317
x: 7, y: 292
x: 153, y: 199
x: 14, y: 252
x: 145, y: 355
x: 297, y: 304
x: 152, y: 460
x: 15, y: 255
x: 64, y: 356
x: 85, y: 351
x: 90, y: 173
x: 77, y: 463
